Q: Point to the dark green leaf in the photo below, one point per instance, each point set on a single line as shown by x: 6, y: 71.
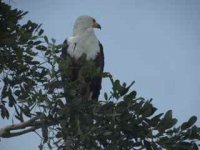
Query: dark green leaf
x: 34, y: 62
x: 147, y: 109
x: 106, y: 96
x: 17, y: 92
x: 26, y: 110
x: 12, y: 100
x: 59, y: 135
x: 167, y: 122
x: 155, y: 120
x: 130, y: 96
x: 4, y: 112
x: 4, y: 92
x: 168, y: 115
x: 41, y: 47
x: 40, y: 32
x: 37, y: 42
x: 46, y: 39
x: 189, y: 123
x: 20, y: 117
x: 193, y: 133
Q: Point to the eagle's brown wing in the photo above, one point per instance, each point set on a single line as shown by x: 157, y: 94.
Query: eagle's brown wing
x: 95, y: 85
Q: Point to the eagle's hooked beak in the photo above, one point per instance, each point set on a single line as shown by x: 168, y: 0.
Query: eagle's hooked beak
x: 96, y: 25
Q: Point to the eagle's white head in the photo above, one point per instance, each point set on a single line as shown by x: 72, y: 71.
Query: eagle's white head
x: 84, y: 40
x: 84, y: 23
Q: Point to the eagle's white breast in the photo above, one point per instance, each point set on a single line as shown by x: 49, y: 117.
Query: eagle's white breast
x: 84, y: 43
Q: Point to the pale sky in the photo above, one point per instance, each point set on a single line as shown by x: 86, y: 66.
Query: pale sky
x: 155, y: 43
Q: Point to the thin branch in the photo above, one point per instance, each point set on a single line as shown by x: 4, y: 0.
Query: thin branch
x: 23, y: 124
x: 27, y: 126
x: 13, y: 134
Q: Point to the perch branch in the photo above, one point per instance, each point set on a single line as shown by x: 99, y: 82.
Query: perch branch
x: 26, y: 127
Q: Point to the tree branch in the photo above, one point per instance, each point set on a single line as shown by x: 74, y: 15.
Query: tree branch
x: 27, y: 126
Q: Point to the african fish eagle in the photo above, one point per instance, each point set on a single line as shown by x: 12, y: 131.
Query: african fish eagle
x: 84, y: 44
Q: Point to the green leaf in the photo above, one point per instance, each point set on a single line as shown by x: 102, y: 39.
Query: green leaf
x: 41, y: 47
x: 107, y: 133
x: 192, y: 120
x: 26, y: 110
x: 12, y: 100
x: 189, y: 123
x: 167, y: 122
x: 34, y: 62
x: 130, y: 96
x: 59, y: 135
x: 173, y: 122
x: 168, y: 115
x: 41, y: 32
x: 46, y: 39
x: 4, y: 112
x: 105, y: 96
x: 116, y: 85
x: 19, y: 117
x: 155, y: 120
x: 147, y: 109
x: 37, y: 42
x: 4, y: 92
x: 193, y: 133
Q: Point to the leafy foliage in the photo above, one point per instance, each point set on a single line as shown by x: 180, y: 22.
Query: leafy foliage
x: 31, y: 84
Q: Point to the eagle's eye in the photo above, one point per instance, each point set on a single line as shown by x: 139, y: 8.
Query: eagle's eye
x: 93, y: 20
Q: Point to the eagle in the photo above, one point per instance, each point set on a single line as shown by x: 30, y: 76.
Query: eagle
x: 82, y: 60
